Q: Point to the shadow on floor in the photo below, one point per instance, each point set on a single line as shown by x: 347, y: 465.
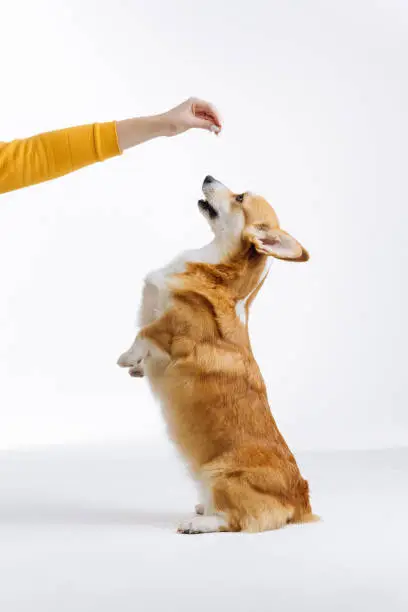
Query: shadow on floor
x: 69, y: 514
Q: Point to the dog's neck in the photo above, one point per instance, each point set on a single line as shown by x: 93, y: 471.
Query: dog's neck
x: 238, y: 272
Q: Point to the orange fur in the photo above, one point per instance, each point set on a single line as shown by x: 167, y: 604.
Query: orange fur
x: 213, y: 395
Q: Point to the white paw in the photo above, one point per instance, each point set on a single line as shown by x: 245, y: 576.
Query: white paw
x: 134, y: 355
x: 137, y: 371
x: 125, y: 360
x: 199, y: 509
x: 203, y: 524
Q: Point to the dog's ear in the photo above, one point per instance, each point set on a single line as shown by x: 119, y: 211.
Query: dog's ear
x: 276, y: 242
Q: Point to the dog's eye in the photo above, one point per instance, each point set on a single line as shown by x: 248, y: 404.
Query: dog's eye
x: 240, y: 198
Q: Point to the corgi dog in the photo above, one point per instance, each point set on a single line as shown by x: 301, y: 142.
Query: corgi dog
x: 194, y: 348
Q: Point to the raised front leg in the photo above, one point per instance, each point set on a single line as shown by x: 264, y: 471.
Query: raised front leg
x: 149, y: 308
x: 152, y: 342
x: 149, y: 312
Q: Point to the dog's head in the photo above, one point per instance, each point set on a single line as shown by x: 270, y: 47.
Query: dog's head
x: 245, y: 218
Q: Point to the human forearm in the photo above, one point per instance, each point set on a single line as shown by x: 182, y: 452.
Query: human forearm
x: 132, y: 132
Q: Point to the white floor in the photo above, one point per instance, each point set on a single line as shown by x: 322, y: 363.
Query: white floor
x: 84, y: 529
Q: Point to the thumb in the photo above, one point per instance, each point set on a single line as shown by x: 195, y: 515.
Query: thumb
x: 205, y: 124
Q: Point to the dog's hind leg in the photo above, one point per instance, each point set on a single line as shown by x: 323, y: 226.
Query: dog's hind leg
x: 247, y: 507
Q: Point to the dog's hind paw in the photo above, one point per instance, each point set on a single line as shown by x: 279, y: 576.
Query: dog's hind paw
x: 203, y: 524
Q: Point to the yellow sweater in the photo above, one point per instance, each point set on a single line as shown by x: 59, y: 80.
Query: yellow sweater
x: 47, y: 156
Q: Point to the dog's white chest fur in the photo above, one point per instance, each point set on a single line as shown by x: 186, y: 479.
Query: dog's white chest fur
x: 211, y: 253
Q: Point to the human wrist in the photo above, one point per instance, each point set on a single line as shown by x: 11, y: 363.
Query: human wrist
x: 164, y: 125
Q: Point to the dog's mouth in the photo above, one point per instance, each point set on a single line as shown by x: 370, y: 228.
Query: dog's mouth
x: 207, y: 208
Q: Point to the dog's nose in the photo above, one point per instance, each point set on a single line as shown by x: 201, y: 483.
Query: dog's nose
x: 209, y: 179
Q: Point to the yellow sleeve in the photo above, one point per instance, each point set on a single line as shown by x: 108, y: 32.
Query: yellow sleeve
x: 47, y: 156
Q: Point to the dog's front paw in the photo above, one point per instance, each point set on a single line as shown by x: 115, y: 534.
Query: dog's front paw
x: 135, y: 355
x: 124, y: 360
x: 137, y: 371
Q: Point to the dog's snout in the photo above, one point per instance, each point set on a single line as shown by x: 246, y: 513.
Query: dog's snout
x: 212, y: 186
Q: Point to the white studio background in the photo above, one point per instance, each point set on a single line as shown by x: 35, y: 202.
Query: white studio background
x: 314, y: 96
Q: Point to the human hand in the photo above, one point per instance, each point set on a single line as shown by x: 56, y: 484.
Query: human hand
x: 193, y: 113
